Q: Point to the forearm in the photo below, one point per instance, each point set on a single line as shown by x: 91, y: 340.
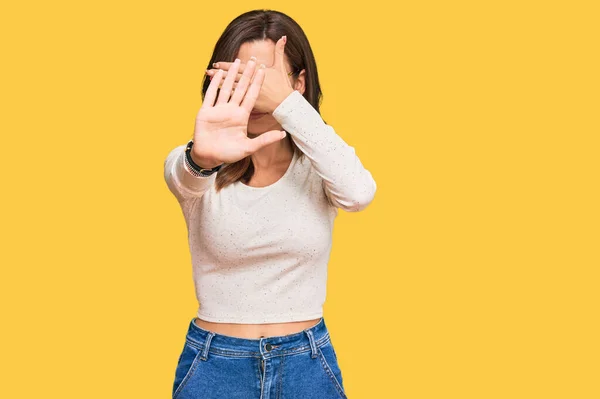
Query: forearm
x: 180, y: 181
x: 346, y: 182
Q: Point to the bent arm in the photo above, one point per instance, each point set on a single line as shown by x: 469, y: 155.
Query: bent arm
x: 347, y: 183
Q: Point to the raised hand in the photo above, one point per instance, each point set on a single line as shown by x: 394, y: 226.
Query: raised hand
x: 221, y: 130
x: 277, y: 85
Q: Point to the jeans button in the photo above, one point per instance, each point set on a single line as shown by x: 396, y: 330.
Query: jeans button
x: 268, y: 347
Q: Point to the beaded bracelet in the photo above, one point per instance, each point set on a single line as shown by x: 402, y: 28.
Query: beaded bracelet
x: 194, y: 168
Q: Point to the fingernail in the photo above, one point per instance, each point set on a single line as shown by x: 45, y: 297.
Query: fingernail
x: 215, y: 65
x: 253, y: 58
x: 237, y: 60
x: 262, y: 66
x: 284, y: 39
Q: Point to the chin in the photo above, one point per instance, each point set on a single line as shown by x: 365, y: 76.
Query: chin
x: 262, y: 125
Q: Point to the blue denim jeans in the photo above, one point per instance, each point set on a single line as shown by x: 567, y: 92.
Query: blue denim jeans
x: 301, y: 365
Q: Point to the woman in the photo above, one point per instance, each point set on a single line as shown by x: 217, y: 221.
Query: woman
x: 259, y: 205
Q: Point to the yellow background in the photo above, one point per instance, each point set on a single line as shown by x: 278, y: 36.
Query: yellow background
x: 473, y: 273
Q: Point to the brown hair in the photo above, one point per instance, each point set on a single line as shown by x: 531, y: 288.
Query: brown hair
x: 263, y: 25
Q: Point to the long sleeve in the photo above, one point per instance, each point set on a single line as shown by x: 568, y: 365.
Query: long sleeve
x: 346, y: 182
x: 180, y: 181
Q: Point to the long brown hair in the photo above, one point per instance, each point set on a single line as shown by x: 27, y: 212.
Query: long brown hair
x: 263, y: 25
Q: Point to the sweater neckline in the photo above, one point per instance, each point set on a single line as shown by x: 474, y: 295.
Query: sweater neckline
x: 276, y: 183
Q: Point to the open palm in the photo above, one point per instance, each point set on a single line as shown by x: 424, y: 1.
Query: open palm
x: 221, y: 130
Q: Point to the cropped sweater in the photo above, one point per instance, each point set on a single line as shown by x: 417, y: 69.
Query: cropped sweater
x: 260, y: 254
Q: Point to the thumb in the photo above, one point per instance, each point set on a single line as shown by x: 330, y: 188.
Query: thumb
x: 264, y: 139
x: 279, y: 53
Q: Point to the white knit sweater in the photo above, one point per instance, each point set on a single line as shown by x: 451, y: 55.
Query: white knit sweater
x: 260, y: 254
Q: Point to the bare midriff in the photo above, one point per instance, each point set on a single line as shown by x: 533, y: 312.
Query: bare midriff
x: 255, y: 331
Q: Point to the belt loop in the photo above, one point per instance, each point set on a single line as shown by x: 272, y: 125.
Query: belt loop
x: 209, y: 337
x: 313, y: 345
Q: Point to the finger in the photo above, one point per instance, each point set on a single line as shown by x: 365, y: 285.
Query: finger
x: 211, y: 92
x: 279, y: 54
x: 226, y: 66
x: 254, y: 89
x: 233, y: 89
x: 225, y: 91
x: 242, y: 86
x: 212, y: 72
x: 253, y: 76
x: 234, y: 86
x: 264, y: 139
x: 236, y: 82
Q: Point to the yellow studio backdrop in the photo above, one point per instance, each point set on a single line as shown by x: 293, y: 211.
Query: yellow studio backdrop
x: 472, y: 274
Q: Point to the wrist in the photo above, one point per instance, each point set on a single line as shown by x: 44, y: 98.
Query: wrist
x: 201, y: 160
x: 204, y: 162
x: 284, y: 94
x: 199, y: 165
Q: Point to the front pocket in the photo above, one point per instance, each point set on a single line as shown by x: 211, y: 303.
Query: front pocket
x: 186, y: 365
x: 328, y: 359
